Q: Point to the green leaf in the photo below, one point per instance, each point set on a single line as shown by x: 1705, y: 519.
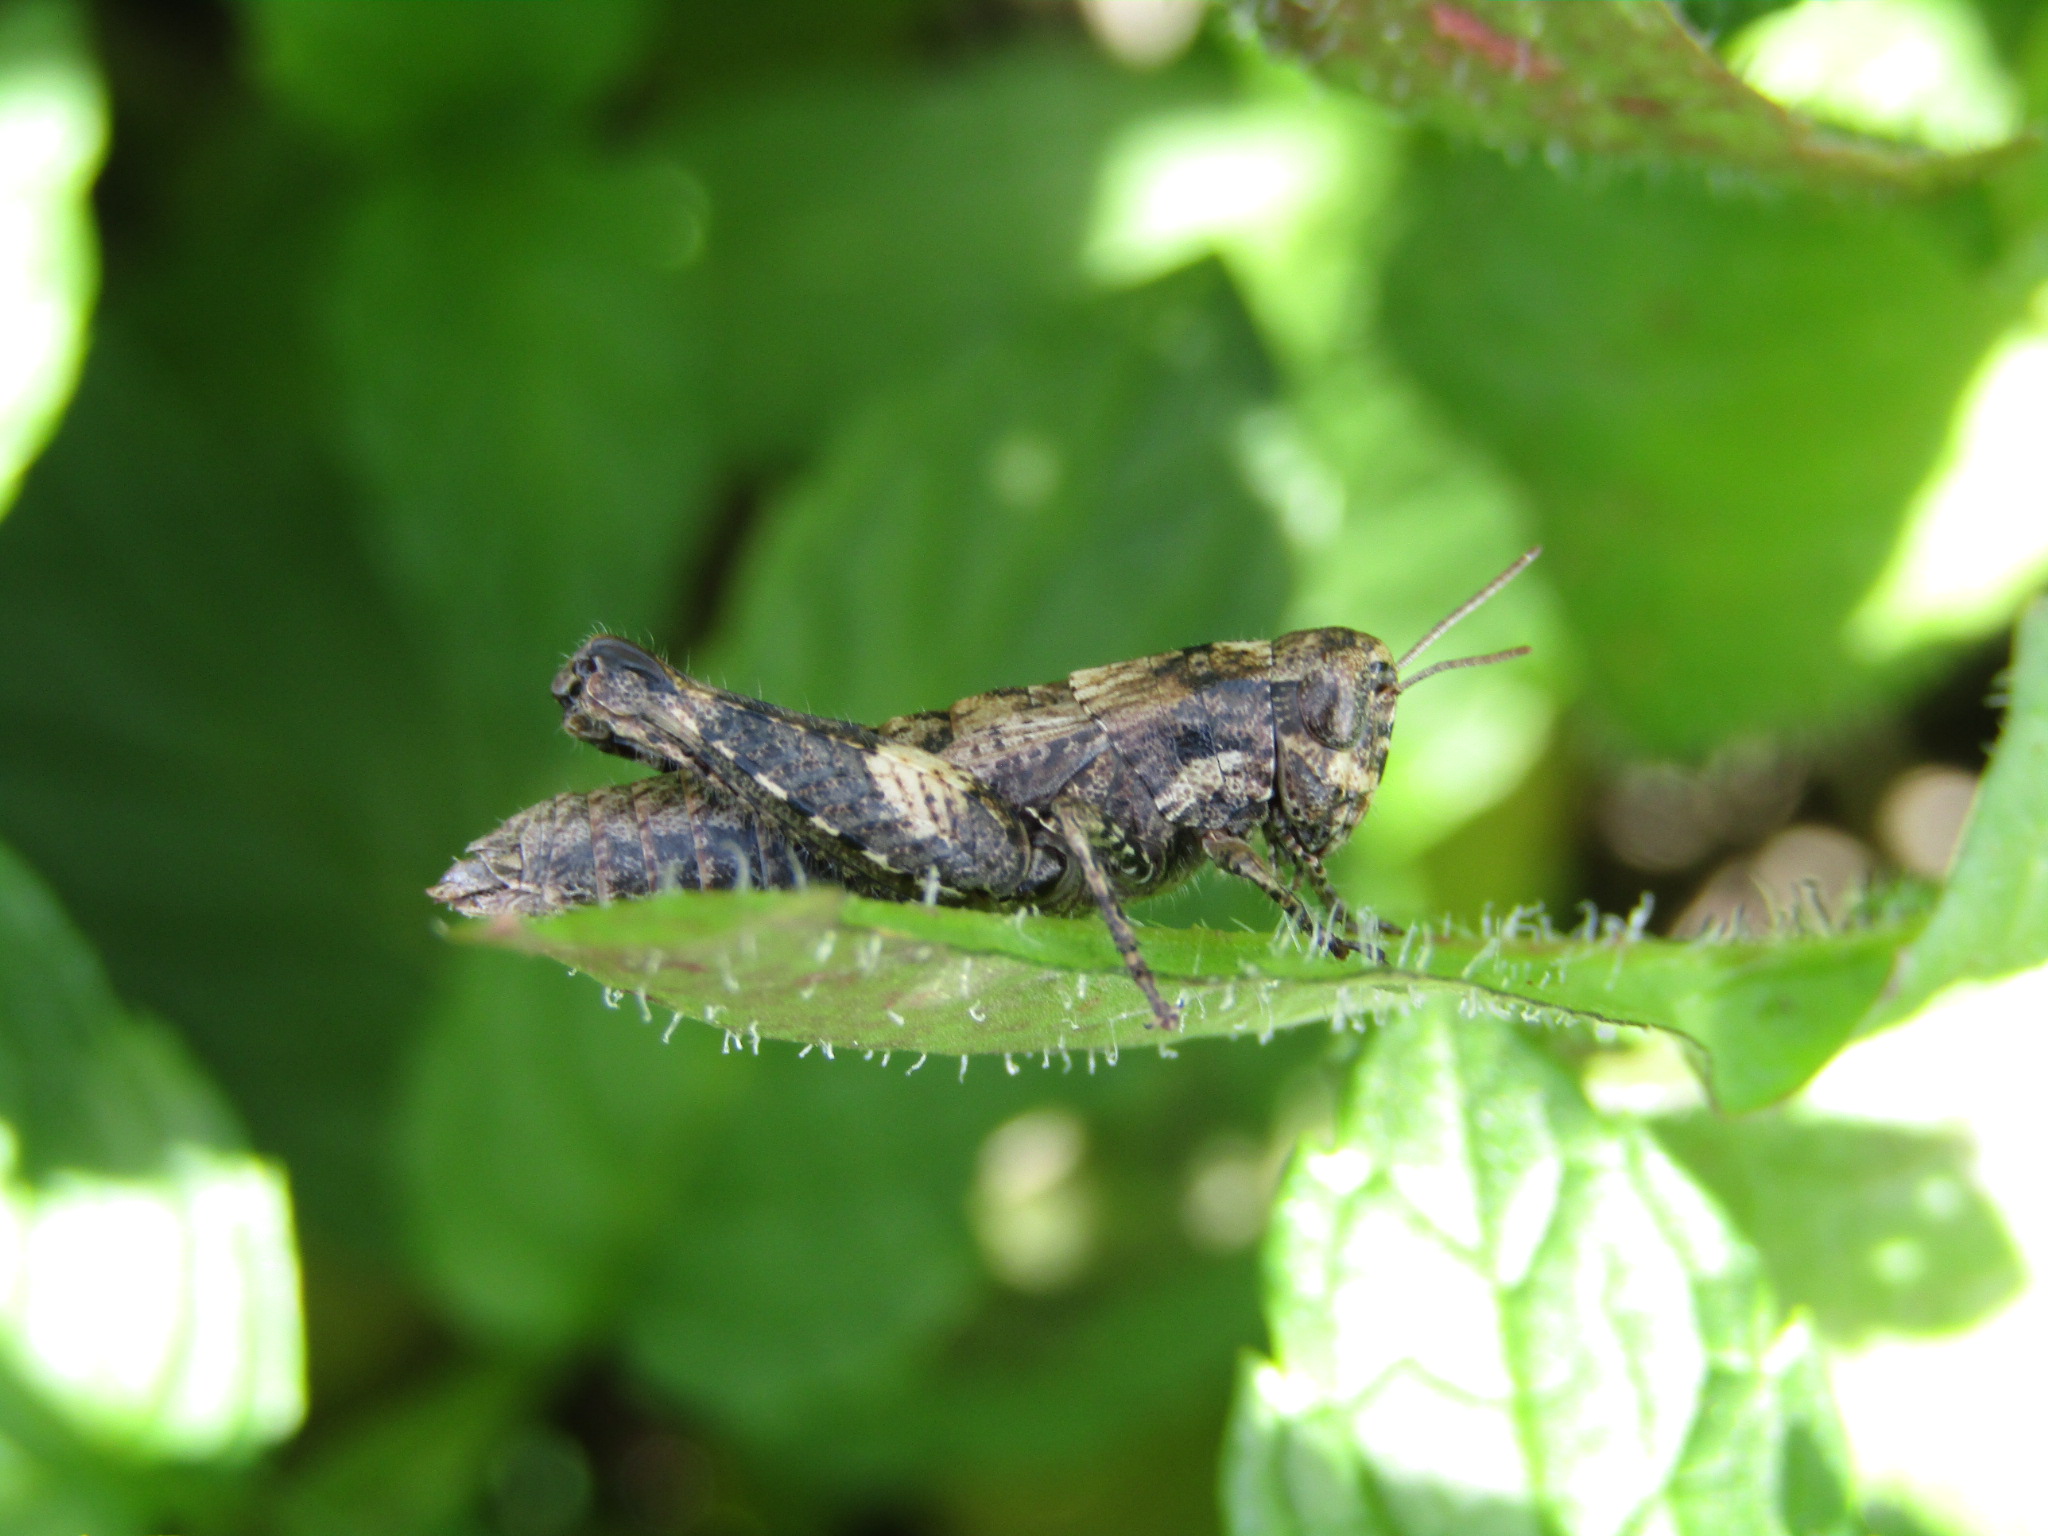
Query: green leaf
x: 1616, y: 78
x: 866, y: 227
x: 715, y: 1215
x: 82, y: 1086
x: 809, y: 1214
x: 1721, y: 410
x: 541, y: 1158
x: 1873, y: 1228
x: 847, y: 973
x: 1993, y: 919
x: 834, y: 1191
x: 1493, y: 1310
x: 519, y: 378
x: 53, y: 130
x: 375, y: 75
x: 720, y: 1215
x: 415, y: 1468
x: 1066, y: 496
x: 151, y: 1289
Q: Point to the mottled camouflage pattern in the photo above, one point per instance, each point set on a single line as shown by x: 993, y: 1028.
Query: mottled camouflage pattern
x: 669, y: 832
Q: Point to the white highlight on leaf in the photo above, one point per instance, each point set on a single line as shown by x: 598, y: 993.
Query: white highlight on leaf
x: 1924, y: 70
x: 1177, y: 187
x: 159, y: 1312
x: 53, y: 130
x: 1953, y: 1422
x: 1976, y: 540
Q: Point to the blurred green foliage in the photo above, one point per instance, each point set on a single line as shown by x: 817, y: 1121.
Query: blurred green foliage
x: 864, y: 356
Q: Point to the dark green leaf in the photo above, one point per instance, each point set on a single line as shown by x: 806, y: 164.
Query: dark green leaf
x: 1722, y: 411
x: 519, y: 374
x: 81, y: 1085
x: 809, y: 1214
x: 1615, y: 78
x: 221, y: 763
x: 415, y: 1469
x: 865, y: 228
x: 836, y: 1191
x: 1873, y: 1228
x: 1993, y: 918
x: 1494, y: 1311
x: 379, y: 74
x: 1066, y: 497
x: 542, y: 1157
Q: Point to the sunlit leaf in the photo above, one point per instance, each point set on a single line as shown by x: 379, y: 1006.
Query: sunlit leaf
x: 1993, y: 919
x: 1973, y: 550
x: 1616, y: 78
x: 148, y: 1278
x: 1842, y: 64
x: 1493, y: 1310
x: 53, y: 127
x: 845, y: 973
x: 1946, y: 1421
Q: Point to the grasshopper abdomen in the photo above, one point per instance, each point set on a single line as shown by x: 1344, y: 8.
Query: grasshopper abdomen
x: 668, y: 832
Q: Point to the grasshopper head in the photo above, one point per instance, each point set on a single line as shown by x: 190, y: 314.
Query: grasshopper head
x: 609, y: 681
x: 1333, y: 724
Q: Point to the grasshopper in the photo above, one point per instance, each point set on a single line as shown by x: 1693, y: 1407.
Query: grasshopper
x: 1116, y: 783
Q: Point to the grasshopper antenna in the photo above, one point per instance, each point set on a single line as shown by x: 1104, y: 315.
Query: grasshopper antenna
x: 1465, y: 661
x: 1476, y: 600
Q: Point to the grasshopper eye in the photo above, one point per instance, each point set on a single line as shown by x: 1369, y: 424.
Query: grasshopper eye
x: 1329, y: 708
x: 607, y: 654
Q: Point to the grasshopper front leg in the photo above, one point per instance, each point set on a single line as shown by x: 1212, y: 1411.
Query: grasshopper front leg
x: 1235, y: 856
x: 1342, y: 919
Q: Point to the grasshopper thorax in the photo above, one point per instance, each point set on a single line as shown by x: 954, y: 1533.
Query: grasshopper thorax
x: 1333, y: 692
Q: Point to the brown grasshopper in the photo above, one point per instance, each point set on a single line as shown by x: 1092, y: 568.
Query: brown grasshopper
x: 1114, y: 784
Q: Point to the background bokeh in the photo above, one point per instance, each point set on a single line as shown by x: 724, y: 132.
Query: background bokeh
x: 362, y: 358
